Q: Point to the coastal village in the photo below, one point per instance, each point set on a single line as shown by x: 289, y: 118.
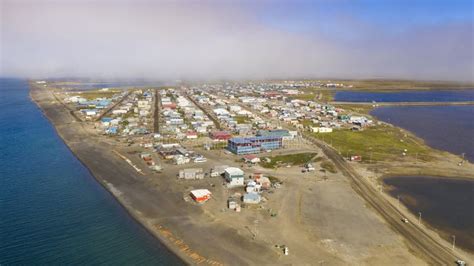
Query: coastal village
x: 245, y: 124
x: 238, y: 152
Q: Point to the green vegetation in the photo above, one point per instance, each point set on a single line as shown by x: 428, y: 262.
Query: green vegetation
x: 328, y: 166
x: 355, y: 108
x: 318, y: 159
x: 377, y: 143
x: 305, y: 97
x: 326, y: 95
x: 274, y: 179
x: 219, y: 145
x: 291, y: 159
x: 316, y: 94
x: 241, y: 119
x: 398, y: 85
x: 307, y: 123
x: 91, y: 95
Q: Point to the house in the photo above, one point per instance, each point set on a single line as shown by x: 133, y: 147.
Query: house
x: 218, y: 170
x: 251, y: 158
x: 180, y: 159
x: 232, y: 203
x: 220, y: 135
x: 321, y: 129
x: 200, y: 195
x: 253, y: 186
x: 89, y: 112
x: 191, y: 135
x: 251, y: 198
x: 263, y: 181
x: 234, y: 177
x: 191, y: 174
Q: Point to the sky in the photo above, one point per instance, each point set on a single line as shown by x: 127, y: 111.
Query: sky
x: 125, y: 39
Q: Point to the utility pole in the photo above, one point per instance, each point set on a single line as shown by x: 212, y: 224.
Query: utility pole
x: 454, y: 241
x: 398, y: 204
x: 419, y: 218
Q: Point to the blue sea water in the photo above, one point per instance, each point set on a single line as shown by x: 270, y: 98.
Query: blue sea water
x: 52, y: 211
x: 406, y: 96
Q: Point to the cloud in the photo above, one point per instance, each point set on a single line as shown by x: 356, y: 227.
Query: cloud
x: 191, y: 40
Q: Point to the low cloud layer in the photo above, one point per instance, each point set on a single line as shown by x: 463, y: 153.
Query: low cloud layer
x: 103, y: 39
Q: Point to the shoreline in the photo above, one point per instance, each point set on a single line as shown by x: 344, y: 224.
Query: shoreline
x: 125, y: 202
x: 444, y: 230
x: 119, y: 200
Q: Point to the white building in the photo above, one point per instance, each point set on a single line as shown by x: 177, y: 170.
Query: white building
x: 321, y: 129
x: 234, y: 177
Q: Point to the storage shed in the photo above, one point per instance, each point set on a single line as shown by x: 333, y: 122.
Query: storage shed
x: 200, y: 195
x: 191, y: 174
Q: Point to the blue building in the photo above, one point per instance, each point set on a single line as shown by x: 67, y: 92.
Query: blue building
x: 275, y: 133
x: 251, y: 145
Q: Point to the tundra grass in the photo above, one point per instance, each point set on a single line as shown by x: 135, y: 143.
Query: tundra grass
x: 377, y: 143
x: 291, y: 159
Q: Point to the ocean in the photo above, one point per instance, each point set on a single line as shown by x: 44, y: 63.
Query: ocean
x: 52, y: 210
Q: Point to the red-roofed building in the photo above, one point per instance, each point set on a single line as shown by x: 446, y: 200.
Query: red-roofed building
x: 169, y: 106
x: 251, y: 158
x: 191, y: 135
x: 221, y: 135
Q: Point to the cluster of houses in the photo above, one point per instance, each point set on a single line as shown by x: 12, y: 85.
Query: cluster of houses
x: 89, y: 109
x: 133, y: 116
x: 178, y: 154
x: 278, y: 101
x: 231, y: 116
x: 234, y: 178
x: 182, y: 119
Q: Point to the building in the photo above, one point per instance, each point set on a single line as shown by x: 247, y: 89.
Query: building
x: 191, y: 135
x: 283, y: 133
x: 251, y: 198
x: 232, y: 203
x: 251, y: 158
x: 251, y: 145
x: 191, y: 174
x: 234, y: 177
x: 200, y: 195
x: 220, y: 135
x: 321, y: 129
x: 264, y: 181
x: 218, y: 170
